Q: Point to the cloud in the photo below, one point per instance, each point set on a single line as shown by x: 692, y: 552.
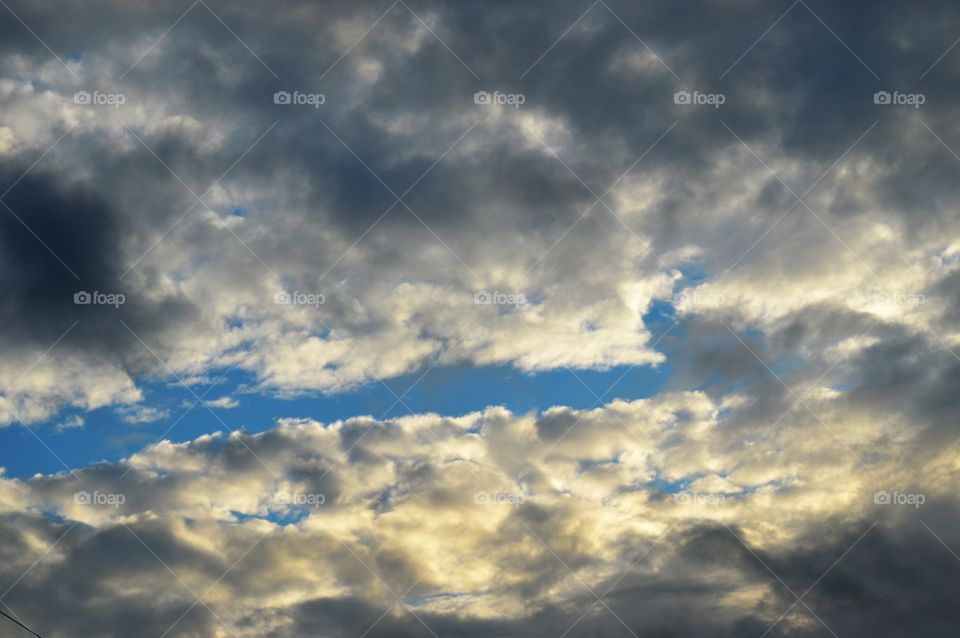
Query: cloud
x: 646, y: 501
x: 788, y: 259
x: 136, y: 414
x: 225, y: 402
x: 75, y: 421
x: 500, y: 199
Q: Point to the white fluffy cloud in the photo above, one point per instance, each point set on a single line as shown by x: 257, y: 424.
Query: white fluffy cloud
x: 543, y: 505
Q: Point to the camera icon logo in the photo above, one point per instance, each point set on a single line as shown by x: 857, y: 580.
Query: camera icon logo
x: 882, y: 498
x: 82, y: 498
x: 81, y: 97
x: 282, y: 298
x: 482, y: 298
x: 82, y: 298
x: 681, y: 97
x: 281, y: 97
x: 481, y: 97
x: 881, y: 97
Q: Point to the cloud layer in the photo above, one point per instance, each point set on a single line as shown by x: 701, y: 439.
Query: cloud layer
x: 757, y: 198
x: 494, y: 522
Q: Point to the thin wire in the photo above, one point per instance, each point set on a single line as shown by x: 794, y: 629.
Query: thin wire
x: 20, y: 623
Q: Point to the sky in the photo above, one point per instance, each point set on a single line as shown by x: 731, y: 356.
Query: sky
x: 480, y: 318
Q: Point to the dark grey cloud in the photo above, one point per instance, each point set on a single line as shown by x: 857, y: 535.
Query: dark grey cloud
x: 60, y: 239
x: 889, y: 579
x: 82, y: 589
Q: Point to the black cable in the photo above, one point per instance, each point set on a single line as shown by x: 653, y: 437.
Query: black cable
x: 11, y: 618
